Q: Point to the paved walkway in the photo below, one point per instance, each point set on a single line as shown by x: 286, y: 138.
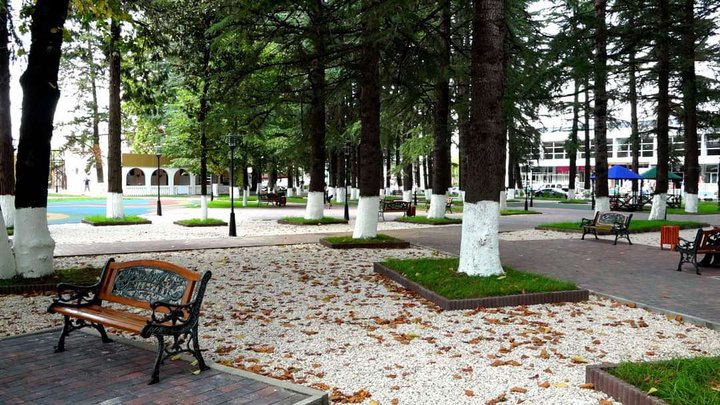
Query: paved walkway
x: 91, y: 372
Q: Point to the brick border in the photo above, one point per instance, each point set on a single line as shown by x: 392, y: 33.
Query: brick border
x: 489, y: 302
x: 223, y: 223
x: 146, y: 222
x: 618, y: 389
x: 400, y: 244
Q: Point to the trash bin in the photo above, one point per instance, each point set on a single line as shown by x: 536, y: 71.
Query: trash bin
x: 411, y: 211
x: 669, y: 235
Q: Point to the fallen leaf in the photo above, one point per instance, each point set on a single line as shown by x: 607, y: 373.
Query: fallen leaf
x: 561, y: 384
x: 652, y: 390
x: 469, y: 393
x: 520, y: 390
x: 578, y: 360
x: 587, y: 386
x: 544, y: 384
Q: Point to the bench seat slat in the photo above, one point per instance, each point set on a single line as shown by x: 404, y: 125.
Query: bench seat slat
x: 107, y: 316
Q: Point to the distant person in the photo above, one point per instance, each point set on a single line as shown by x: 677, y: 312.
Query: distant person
x: 87, y: 184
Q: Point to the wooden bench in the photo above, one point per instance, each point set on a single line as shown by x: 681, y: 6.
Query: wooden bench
x: 615, y: 223
x: 170, y: 294
x: 393, y: 206
x: 448, y: 205
x: 272, y: 198
x: 674, y: 201
x: 706, y: 242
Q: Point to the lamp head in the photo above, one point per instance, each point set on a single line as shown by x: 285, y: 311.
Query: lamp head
x: 232, y: 140
x: 158, y: 150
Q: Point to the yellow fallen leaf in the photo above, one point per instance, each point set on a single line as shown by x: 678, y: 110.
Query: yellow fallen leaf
x: 194, y: 363
x: 578, y: 360
x: 196, y: 372
x: 501, y: 277
x: 374, y: 402
x: 560, y: 384
x: 175, y: 357
x: 652, y: 390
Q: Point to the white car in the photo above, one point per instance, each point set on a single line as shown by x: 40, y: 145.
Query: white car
x: 707, y: 196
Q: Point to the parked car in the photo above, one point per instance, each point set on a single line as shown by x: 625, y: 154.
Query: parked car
x: 551, y: 192
x: 707, y: 196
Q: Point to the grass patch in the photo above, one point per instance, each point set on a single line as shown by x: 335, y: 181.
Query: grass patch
x: 379, y: 238
x: 200, y: 222
x: 88, y: 275
x: 548, y: 198
x: 61, y: 199
x: 303, y: 221
x: 704, y: 208
x: 513, y: 211
x: 441, y: 276
x: 10, y: 231
x: 679, y: 381
x: 574, y: 201
x: 430, y: 221
x: 128, y: 219
x: 636, y: 225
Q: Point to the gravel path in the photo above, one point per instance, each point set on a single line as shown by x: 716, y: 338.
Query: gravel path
x: 321, y: 318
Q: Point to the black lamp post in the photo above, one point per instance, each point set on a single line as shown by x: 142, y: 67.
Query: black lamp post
x: 718, y: 181
x: 527, y: 186
x: 346, y: 149
x: 232, y: 142
x: 158, y: 153
x: 532, y: 194
x: 56, y: 167
x: 592, y: 191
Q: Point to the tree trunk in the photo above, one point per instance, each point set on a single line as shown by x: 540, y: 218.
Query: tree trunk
x: 692, y: 168
x: 441, y: 132
x: 370, y: 156
x: 416, y: 172
x: 114, y: 204
x: 399, y: 175
x: 316, y: 195
x: 663, y: 112
x: 96, y: 151
x: 588, y: 168
x: 333, y: 169
x: 634, y: 126
x: 290, y: 177
x: 479, y: 247
x: 32, y: 242
x: 572, y: 152
x: 600, y: 110
x: 388, y: 166
x: 7, y: 153
x: 272, y: 179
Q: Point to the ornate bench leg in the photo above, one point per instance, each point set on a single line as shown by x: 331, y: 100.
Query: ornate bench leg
x: 65, y: 331
x: 103, y: 334
x: 158, y: 359
x: 196, y: 350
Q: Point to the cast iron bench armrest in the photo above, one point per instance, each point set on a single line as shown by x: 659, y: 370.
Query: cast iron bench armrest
x: 587, y: 222
x: 176, y: 313
x: 685, y: 245
x: 619, y: 226
x: 77, y: 295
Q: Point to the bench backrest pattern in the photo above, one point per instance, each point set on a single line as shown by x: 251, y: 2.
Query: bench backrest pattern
x: 139, y: 283
x: 394, y: 205
x: 609, y: 218
x: 708, y: 238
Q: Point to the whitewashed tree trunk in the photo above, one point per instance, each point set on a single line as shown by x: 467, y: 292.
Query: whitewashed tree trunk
x: 503, y: 201
x: 437, y: 206
x: 571, y: 194
x: 428, y: 193
x: 407, y: 196
x: 479, y: 245
x: 602, y: 204
x: 315, y: 208
x: 691, y: 203
x: 246, y: 191
x: 203, y: 207
x: 7, y: 259
x: 511, y: 194
x: 114, y: 206
x: 366, y: 219
x: 659, y: 205
x: 7, y: 206
x: 340, y: 195
x: 331, y: 192
x: 290, y: 192
x: 32, y: 243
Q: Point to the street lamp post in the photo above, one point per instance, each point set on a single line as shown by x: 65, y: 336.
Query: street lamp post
x: 158, y: 153
x: 527, y: 186
x: 346, y: 149
x: 592, y: 191
x: 532, y: 194
x: 232, y: 142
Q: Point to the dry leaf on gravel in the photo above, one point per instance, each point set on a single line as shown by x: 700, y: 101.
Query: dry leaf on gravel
x: 520, y: 390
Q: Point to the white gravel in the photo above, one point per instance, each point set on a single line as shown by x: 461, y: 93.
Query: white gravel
x: 322, y: 318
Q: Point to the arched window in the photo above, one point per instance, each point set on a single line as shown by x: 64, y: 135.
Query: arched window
x: 163, y: 178
x: 135, y: 177
x: 182, y: 178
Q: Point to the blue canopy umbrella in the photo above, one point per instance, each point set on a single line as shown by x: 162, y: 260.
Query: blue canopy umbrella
x: 622, y: 173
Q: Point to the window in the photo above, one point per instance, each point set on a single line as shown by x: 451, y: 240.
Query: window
x: 646, y: 148
x: 555, y: 150
x: 624, y: 147
x: 713, y: 148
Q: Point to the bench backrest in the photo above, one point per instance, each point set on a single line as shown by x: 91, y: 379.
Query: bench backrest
x: 394, y: 205
x: 708, y: 238
x: 609, y: 218
x: 139, y: 283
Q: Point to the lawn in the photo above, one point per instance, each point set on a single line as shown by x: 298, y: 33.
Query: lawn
x: 10, y: 231
x: 430, y: 221
x: 321, y: 221
x: 200, y: 222
x: 636, y: 225
x: 680, y: 381
x: 441, y: 276
x: 704, y: 208
x: 127, y: 219
x: 379, y: 238
x: 514, y: 211
x: 88, y: 275
x: 574, y: 201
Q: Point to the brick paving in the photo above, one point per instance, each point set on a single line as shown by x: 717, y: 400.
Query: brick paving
x: 91, y: 372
